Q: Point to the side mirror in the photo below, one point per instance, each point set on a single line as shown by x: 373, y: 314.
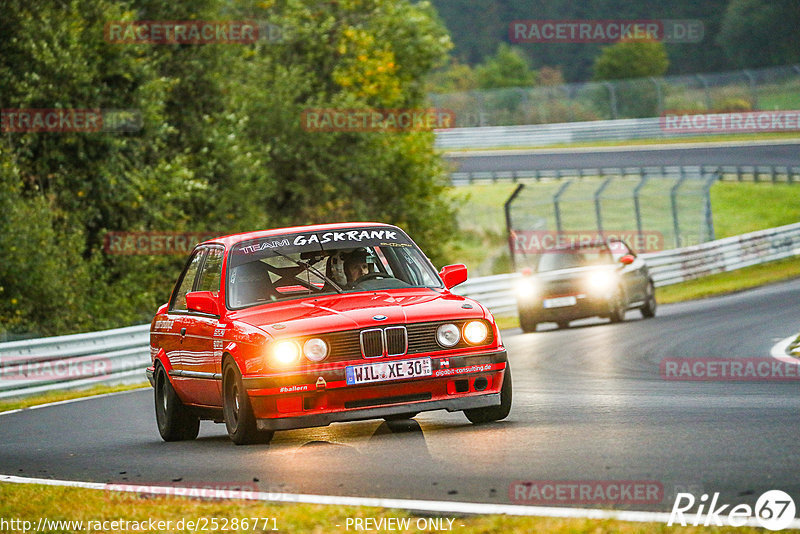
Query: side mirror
x: 452, y: 275
x: 162, y: 309
x: 627, y: 259
x: 202, y: 301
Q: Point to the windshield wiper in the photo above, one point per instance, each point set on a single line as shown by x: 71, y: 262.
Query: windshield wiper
x: 308, y: 267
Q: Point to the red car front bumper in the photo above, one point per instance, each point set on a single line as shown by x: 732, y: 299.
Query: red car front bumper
x: 318, y: 399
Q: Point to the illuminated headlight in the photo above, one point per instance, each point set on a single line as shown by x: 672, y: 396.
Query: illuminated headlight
x: 285, y: 353
x: 527, y: 288
x: 475, y: 332
x: 601, y: 281
x: 315, y: 349
x: 448, y: 335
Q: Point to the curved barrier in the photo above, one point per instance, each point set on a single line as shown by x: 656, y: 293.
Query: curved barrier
x: 121, y: 355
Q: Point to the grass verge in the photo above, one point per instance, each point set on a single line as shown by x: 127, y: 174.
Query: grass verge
x: 738, y: 208
x: 730, y: 282
x: 31, y: 502
x: 56, y: 396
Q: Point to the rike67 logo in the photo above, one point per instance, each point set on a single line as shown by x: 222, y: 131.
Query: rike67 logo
x: 774, y: 510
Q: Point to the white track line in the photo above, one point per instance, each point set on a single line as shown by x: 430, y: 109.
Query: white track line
x: 778, y: 351
x: 454, y: 507
x: 70, y: 401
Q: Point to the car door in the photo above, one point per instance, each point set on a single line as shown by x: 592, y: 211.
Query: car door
x: 201, y: 357
x: 172, y: 331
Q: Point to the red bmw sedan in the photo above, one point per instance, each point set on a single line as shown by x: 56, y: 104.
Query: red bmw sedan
x: 306, y: 326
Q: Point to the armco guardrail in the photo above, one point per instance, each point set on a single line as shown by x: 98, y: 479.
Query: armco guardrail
x: 667, y: 267
x: 64, y: 362
x: 541, y: 135
x: 551, y: 134
x: 729, y: 173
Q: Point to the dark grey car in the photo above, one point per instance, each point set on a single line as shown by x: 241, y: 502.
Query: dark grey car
x: 601, y: 279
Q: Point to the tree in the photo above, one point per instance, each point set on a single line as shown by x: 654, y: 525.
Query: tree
x: 631, y: 59
x: 760, y: 33
x: 507, y: 68
x: 221, y: 148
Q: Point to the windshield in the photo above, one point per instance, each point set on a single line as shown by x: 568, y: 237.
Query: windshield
x: 572, y: 258
x: 317, y: 263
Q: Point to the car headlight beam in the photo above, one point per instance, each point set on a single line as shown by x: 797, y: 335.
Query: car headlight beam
x: 601, y: 281
x: 476, y: 332
x: 526, y: 288
x: 285, y: 353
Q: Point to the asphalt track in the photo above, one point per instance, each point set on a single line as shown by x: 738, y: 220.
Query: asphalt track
x: 589, y: 404
x: 702, y: 154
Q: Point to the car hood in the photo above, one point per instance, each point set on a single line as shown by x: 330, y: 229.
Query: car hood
x: 350, y: 311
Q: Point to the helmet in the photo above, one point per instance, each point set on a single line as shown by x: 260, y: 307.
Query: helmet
x: 335, y: 268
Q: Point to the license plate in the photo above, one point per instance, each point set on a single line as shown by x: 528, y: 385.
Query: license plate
x: 383, y: 371
x: 560, y: 302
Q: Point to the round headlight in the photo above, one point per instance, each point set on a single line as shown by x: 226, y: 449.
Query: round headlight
x: 315, y: 349
x: 475, y: 332
x: 285, y: 352
x: 448, y: 335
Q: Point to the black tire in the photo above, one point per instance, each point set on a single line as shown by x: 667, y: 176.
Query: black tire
x: 479, y: 416
x: 617, y: 307
x: 563, y: 324
x: 649, y: 308
x: 527, y: 321
x: 175, y: 421
x: 239, y: 419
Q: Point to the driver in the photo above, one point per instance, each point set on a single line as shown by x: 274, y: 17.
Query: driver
x: 356, y: 265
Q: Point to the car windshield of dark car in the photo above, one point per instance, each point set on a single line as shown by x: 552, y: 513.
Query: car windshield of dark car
x: 574, y: 258
x: 261, y: 271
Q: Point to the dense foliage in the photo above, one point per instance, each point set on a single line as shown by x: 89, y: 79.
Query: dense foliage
x: 738, y: 33
x: 221, y: 148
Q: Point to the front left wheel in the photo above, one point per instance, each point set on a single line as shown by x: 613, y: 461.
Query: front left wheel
x: 617, y: 306
x: 175, y: 421
x: 494, y: 413
x: 649, y: 308
x: 239, y: 418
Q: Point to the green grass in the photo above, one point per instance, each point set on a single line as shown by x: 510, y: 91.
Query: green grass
x: 730, y: 282
x: 30, y: 502
x: 56, y: 396
x: 738, y: 207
